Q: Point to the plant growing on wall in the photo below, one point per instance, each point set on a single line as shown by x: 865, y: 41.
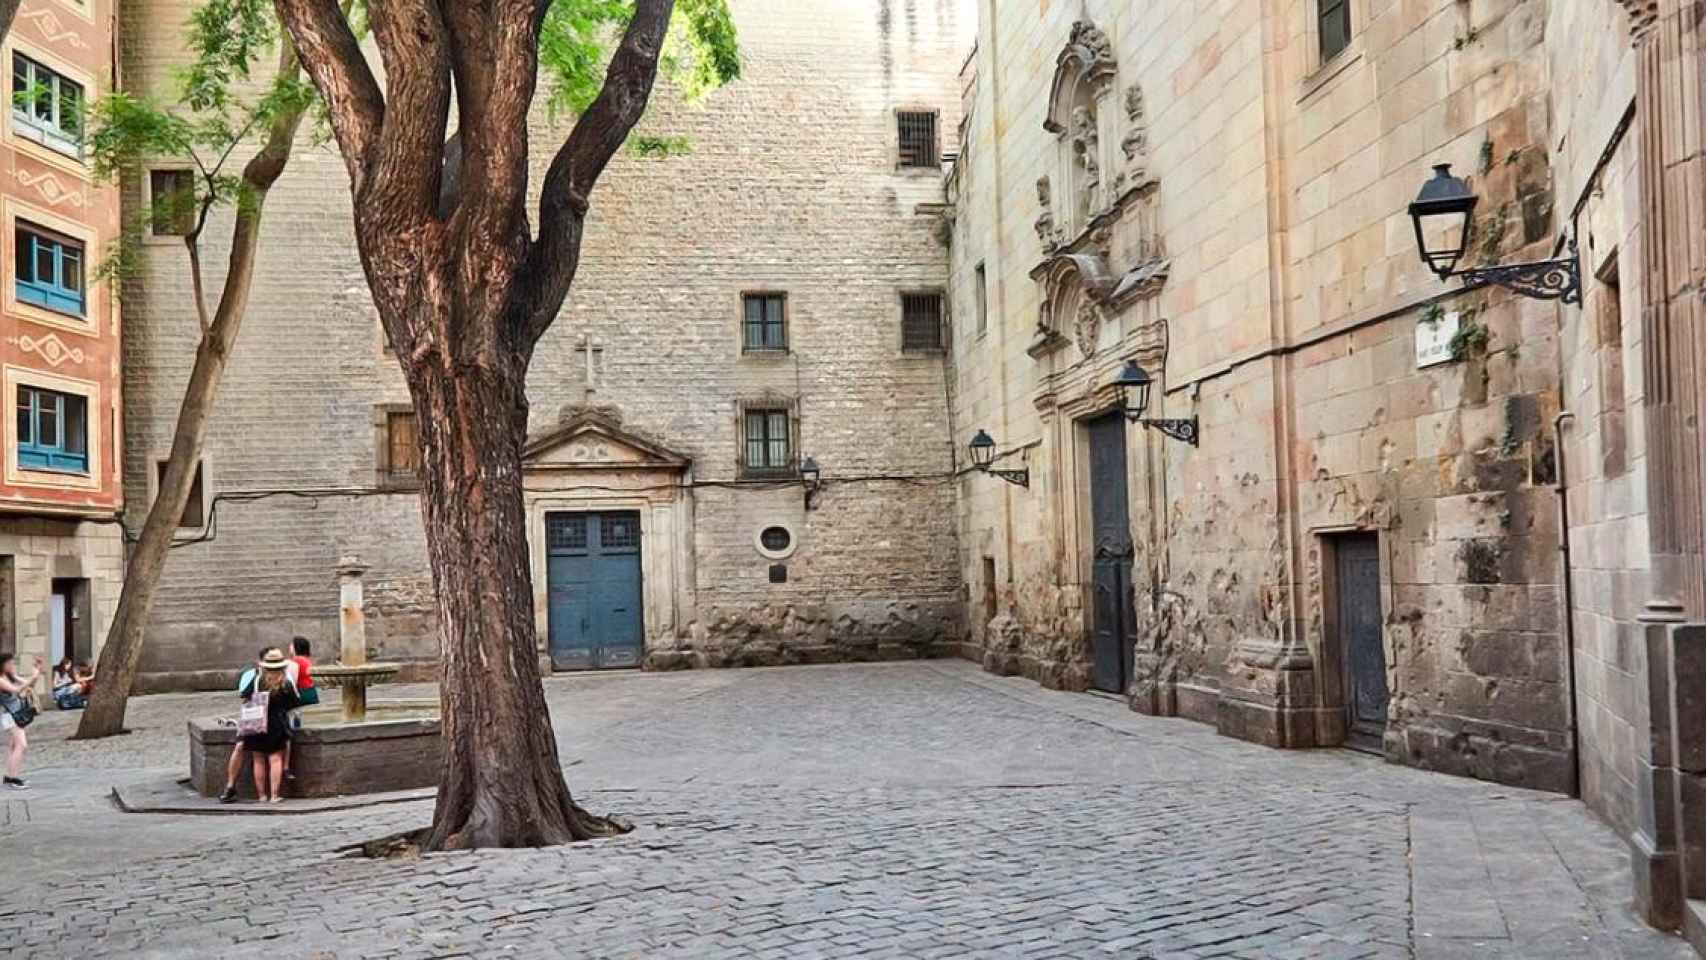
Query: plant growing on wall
x: 220, y: 110
x: 465, y: 287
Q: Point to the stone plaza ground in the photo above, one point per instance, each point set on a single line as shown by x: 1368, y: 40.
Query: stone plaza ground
x: 889, y: 810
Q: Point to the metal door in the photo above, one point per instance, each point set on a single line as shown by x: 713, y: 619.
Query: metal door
x: 593, y: 584
x: 1359, y: 631
x: 1112, y: 622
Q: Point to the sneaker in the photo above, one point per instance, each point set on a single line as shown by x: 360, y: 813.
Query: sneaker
x: 16, y: 783
x: 229, y: 796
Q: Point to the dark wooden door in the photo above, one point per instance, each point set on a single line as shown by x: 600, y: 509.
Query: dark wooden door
x: 593, y: 584
x: 1359, y: 631
x: 1112, y: 622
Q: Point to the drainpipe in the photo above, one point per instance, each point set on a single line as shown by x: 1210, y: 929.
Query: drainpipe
x: 1563, y: 492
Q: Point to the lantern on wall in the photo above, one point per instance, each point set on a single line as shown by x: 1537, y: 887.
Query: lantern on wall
x: 982, y: 450
x: 1135, y: 385
x: 1444, y: 217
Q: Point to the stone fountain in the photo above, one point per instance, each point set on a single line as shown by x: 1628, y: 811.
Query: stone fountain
x: 352, y: 673
x: 351, y: 748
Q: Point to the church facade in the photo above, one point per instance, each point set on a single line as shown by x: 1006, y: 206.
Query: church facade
x: 739, y: 449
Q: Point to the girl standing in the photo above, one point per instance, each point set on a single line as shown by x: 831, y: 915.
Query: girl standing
x: 13, y: 690
x: 267, y: 748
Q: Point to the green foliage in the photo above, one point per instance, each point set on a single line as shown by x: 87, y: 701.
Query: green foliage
x: 645, y: 145
x: 701, y: 52
x: 1471, y: 340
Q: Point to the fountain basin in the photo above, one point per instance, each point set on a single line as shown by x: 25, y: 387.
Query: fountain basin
x: 399, y: 746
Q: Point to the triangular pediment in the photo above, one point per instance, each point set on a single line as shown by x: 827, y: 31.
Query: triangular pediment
x: 594, y: 441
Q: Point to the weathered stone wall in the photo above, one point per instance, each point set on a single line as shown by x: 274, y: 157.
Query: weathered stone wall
x: 1288, y: 304
x: 791, y: 185
x: 1603, y: 351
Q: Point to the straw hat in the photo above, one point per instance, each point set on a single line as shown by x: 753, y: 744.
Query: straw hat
x: 274, y: 660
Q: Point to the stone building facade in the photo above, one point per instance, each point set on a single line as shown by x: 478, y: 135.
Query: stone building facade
x: 774, y: 293
x: 1343, y: 521
x: 61, y: 549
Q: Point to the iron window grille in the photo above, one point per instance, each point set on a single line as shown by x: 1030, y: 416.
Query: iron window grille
x: 171, y: 195
x: 565, y: 532
x: 53, y: 431
x: 1334, y: 21
x: 46, y: 107
x: 618, y: 531
x: 769, y: 443
x: 764, y: 328
x: 49, y: 270
x: 918, y: 146
x: 920, y: 322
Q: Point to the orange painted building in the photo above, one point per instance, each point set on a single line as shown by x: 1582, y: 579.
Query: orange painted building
x: 61, y: 548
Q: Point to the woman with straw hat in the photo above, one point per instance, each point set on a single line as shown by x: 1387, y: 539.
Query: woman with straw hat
x: 267, y: 748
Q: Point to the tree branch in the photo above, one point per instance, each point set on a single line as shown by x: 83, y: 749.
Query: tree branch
x: 321, y: 30
x: 415, y: 47
x: 596, y: 137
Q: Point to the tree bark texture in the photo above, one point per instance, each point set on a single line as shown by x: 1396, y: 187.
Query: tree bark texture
x: 8, y: 13
x: 121, y: 655
x: 465, y: 291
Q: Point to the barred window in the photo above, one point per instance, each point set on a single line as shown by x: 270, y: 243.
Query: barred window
x: 918, y: 139
x: 768, y: 449
x: 921, y: 321
x: 195, y: 513
x: 171, y: 195
x: 765, y: 325
x: 618, y: 530
x: 565, y: 532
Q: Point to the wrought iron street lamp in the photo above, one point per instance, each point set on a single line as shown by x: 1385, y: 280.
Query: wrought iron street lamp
x: 812, y: 476
x: 982, y: 449
x: 1135, y: 385
x: 1444, y: 217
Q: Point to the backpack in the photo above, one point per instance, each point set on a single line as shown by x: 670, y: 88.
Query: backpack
x: 252, y: 719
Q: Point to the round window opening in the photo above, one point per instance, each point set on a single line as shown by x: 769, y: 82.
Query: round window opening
x: 775, y: 541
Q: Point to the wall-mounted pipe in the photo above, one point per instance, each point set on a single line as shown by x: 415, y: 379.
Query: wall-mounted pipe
x: 1563, y: 491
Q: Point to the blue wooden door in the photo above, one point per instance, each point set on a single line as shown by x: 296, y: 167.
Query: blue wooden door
x: 593, y: 580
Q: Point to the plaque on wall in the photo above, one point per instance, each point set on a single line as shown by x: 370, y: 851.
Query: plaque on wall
x: 1433, y: 339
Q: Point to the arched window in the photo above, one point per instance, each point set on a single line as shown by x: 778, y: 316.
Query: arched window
x: 1084, y: 73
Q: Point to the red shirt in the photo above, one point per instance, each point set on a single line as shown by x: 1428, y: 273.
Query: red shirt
x: 304, y: 676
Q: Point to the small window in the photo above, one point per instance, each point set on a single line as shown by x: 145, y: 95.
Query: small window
x: 402, y: 450
x: 565, y: 532
x: 195, y: 513
x: 765, y: 327
x: 1335, y: 25
x: 775, y: 539
x: 49, y: 270
x: 990, y: 606
x: 982, y: 293
x: 768, y: 447
x: 172, y: 202
x: 46, y: 107
x: 53, y: 431
x: 921, y: 321
x: 918, y: 140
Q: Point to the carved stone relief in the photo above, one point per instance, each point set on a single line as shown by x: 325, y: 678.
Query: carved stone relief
x: 1086, y: 148
x: 1047, y: 230
x: 1087, y: 326
x: 1135, y: 144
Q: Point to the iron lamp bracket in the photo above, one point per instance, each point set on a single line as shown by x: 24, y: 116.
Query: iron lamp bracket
x: 1558, y: 279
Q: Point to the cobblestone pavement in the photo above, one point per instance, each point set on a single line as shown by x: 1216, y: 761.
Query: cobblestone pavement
x: 890, y: 810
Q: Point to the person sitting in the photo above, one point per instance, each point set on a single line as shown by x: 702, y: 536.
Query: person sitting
x: 267, y: 747
x: 68, y: 692
x: 85, y: 678
x: 301, y: 658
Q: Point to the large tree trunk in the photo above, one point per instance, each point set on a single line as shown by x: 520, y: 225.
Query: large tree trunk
x: 122, y: 653
x: 502, y: 782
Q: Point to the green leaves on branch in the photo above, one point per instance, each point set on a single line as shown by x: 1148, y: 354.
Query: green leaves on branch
x: 701, y: 52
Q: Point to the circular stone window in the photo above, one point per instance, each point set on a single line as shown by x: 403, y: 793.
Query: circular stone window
x: 775, y: 541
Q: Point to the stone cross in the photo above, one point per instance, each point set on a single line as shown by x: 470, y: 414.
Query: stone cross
x: 594, y: 356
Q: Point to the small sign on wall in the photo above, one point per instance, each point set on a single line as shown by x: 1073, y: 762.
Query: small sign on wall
x: 1433, y: 339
